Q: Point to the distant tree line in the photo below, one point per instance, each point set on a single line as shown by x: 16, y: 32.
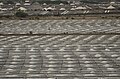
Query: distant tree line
x: 56, y: 1
x: 40, y: 1
x: 98, y: 1
x: 52, y: 2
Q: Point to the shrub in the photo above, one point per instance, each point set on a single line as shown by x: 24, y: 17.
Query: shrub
x: 21, y: 14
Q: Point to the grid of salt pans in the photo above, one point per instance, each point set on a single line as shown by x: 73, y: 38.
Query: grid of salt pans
x: 60, y: 57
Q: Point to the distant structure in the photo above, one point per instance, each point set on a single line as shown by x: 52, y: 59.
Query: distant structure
x: 27, y: 2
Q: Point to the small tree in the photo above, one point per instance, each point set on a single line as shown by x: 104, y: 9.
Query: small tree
x: 21, y: 14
